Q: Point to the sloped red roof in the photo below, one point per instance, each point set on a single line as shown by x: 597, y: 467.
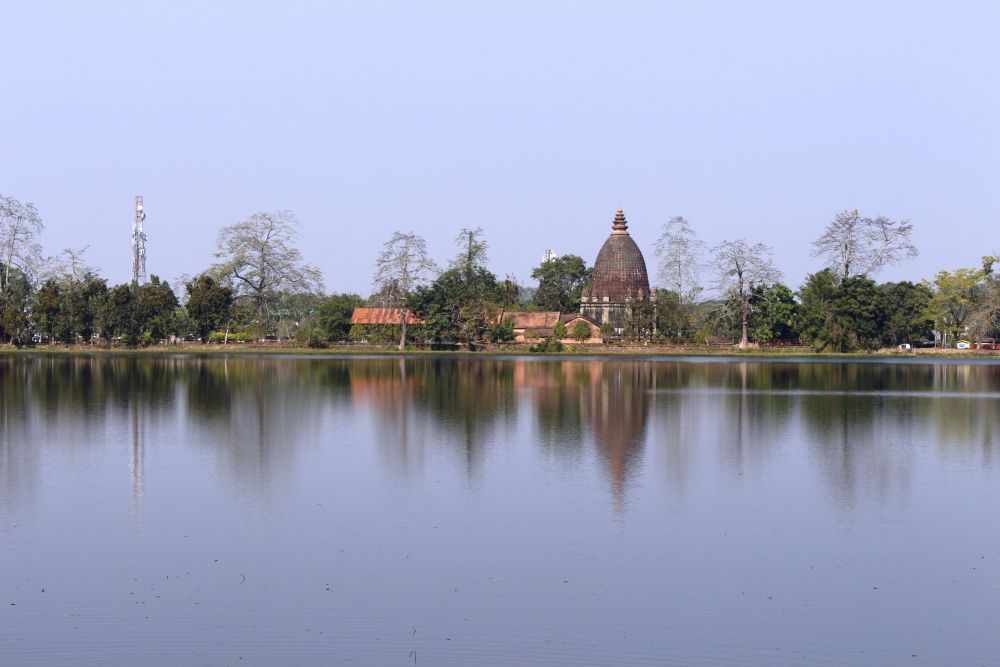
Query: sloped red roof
x: 383, y: 316
x: 570, y: 317
x: 525, y: 320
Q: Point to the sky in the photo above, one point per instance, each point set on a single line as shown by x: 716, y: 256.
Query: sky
x: 534, y: 121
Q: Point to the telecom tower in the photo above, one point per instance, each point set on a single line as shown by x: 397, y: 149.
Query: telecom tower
x: 138, y: 244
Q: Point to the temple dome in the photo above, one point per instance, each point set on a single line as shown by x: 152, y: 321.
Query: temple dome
x: 620, y: 270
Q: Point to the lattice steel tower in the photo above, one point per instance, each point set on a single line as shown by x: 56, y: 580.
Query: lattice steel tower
x: 138, y: 244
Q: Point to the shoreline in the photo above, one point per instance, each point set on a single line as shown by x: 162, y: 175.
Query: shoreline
x: 651, y: 351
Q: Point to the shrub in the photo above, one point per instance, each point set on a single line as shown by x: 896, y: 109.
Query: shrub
x: 581, y: 331
x: 219, y: 337
x: 559, y: 330
x: 550, y: 344
x: 316, y: 339
x: 504, y: 332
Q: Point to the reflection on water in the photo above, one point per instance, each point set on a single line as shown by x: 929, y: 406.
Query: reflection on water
x: 585, y: 463
x: 254, y: 413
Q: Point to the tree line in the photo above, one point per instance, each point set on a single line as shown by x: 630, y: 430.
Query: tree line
x: 261, y: 288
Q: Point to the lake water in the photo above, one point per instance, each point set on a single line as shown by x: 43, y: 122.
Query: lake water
x: 497, y: 511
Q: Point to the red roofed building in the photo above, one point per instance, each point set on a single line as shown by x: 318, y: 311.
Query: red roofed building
x: 383, y: 316
x: 535, y: 326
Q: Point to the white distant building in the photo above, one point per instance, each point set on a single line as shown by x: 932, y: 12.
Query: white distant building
x: 549, y: 255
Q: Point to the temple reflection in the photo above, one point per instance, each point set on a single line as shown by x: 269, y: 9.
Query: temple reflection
x: 852, y: 426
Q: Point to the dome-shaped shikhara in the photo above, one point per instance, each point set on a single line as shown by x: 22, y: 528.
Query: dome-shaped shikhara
x: 619, y: 271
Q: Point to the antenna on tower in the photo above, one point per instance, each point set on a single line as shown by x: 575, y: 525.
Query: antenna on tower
x: 138, y: 244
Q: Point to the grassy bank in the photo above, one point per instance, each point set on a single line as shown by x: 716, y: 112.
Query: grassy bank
x: 727, y: 351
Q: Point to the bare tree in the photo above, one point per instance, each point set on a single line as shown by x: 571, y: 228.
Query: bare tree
x: 680, y: 253
x: 471, y: 251
x: 69, y: 267
x: 20, y: 229
x: 741, y: 267
x: 857, y: 246
x: 259, y: 257
x: 401, y: 265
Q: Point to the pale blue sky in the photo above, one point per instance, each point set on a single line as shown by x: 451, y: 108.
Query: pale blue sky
x: 533, y: 120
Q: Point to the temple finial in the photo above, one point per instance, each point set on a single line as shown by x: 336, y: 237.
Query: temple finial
x: 620, y: 225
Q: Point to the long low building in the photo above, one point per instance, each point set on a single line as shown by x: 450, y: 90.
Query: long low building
x: 535, y: 326
x: 383, y: 316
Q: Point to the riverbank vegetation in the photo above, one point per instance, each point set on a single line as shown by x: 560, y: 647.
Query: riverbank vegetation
x: 262, y: 295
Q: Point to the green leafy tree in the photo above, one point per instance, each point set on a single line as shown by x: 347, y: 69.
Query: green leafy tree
x: 208, y: 305
x: 640, y: 318
x: 118, y: 317
x: 816, y: 297
x: 581, y: 331
x: 48, y: 310
x: 857, y: 314
x: 65, y: 307
x: 334, y: 315
x: 82, y: 301
x: 137, y: 313
x: 673, y: 317
x: 459, y: 305
x: 155, y: 307
x: 840, y: 316
x: 956, y: 297
x: 464, y: 303
x: 560, y: 283
x: 559, y: 330
x: 15, y: 299
x: 773, y: 311
x: 295, y: 311
x: 504, y: 332
x: 905, y: 307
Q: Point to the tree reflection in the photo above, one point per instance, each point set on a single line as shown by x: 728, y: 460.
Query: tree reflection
x: 856, y: 422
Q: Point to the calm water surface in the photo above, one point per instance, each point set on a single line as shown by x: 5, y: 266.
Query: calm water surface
x: 450, y: 511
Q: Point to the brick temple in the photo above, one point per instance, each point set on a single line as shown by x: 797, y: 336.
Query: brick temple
x: 618, y: 279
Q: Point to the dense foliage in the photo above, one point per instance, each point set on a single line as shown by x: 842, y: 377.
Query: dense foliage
x: 560, y: 283
x: 262, y: 289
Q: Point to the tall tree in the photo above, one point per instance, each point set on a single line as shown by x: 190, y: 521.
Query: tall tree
x: 15, y: 325
x: 841, y: 316
x: 680, y: 253
x: 816, y: 301
x: 740, y: 268
x: 67, y: 303
x: 20, y: 250
x: 259, y: 256
x: 956, y: 297
x: 155, y: 308
x: 857, y: 315
x: 673, y: 318
x: 560, y: 283
x: 402, y: 264
x: 773, y: 314
x: 472, y: 248
x: 853, y: 245
x: 208, y: 304
x: 905, y: 312
x: 335, y: 314
x: 460, y: 307
x: 67, y: 310
x: 48, y: 310
x: 118, y: 318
